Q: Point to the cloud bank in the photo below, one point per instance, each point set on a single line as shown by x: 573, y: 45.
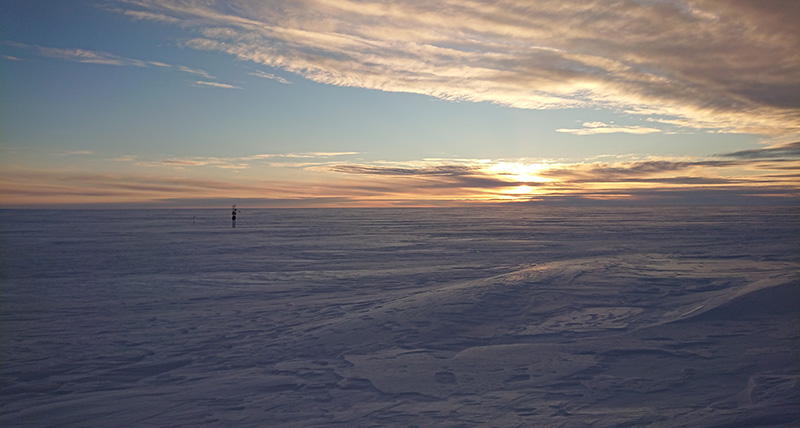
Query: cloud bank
x: 722, y: 65
x: 769, y: 175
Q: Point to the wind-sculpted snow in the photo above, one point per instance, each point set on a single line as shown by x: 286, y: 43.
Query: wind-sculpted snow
x: 661, y: 317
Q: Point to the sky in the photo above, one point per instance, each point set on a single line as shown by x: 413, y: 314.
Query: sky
x: 349, y: 103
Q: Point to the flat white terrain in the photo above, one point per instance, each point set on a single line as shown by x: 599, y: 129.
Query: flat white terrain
x: 485, y: 317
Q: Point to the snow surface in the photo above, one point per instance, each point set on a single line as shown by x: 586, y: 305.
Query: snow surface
x: 510, y: 316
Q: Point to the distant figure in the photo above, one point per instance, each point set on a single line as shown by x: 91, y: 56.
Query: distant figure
x: 233, y: 216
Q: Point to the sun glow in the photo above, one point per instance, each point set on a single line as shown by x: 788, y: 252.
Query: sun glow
x: 520, y: 190
x: 520, y: 172
x: 523, y: 179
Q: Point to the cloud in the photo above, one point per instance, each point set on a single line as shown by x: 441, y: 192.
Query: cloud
x: 240, y: 162
x: 791, y: 150
x: 147, y: 16
x: 592, y: 128
x: 304, y: 155
x: 644, y: 171
x: 417, y: 177
x: 317, y: 180
x: 269, y: 76
x: 215, y: 85
x: 76, y: 153
x: 656, y: 180
x: 436, y: 170
x: 86, y: 56
x: 727, y: 66
x: 769, y: 174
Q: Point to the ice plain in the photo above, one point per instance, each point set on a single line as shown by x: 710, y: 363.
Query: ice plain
x: 452, y: 317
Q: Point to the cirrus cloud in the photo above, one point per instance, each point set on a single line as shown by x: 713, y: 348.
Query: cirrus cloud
x: 791, y: 150
x: 270, y: 76
x: 727, y: 66
x: 241, y: 162
x: 87, y: 56
x: 592, y: 128
x: 202, y: 83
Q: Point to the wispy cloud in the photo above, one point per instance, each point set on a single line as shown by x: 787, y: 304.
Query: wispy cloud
x: 592, y: 128
x: 423, y: 177
x: 76, y: 153
x: 64, y: 186
x: 431, y: 170
x: 215, y: 85
x: 727, y: 66
x: 148, y: 16
x: 270, y: 76
x: 791, y: 150
x: 87, y: 56
x: 302, y: 155
x: 240, y: 162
